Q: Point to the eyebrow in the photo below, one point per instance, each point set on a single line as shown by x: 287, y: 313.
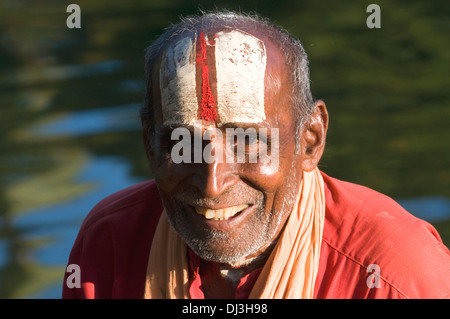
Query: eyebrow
x: 245, y: 125
x: 167, y: 128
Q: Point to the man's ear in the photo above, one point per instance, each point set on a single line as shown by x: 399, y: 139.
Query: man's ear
x: 313, y: 137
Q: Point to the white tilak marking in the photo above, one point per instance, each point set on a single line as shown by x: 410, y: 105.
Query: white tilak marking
x: 240, y: 68
x: 240, y: 71
x: 177, y: 83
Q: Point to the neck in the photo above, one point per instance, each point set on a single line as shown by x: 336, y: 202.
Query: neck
x: 220, y: 280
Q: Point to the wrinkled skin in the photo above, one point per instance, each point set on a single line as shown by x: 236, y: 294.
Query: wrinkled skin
x: 246, y: 240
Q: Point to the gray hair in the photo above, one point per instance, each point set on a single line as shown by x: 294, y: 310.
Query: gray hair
x: 293, y: 51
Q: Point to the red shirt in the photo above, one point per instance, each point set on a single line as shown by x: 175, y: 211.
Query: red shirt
x: 371, y: 248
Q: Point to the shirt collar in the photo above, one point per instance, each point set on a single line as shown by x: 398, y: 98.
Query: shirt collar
x: 243, y: 289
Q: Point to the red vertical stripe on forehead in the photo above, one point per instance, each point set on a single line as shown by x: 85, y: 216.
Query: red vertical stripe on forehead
x: 207, y: 104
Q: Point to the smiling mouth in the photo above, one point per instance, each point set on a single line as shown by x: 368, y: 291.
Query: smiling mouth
x: 220, y: 214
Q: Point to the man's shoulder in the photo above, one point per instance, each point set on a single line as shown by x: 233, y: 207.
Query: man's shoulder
x: 130, y: 203
x: 357, y: 213
x: 367, y: 227
x: 105, y: 249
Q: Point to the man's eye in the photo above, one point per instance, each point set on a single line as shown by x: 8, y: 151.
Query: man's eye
x: 250, y: 144
x: 251, y: 140
x: 241, y: 140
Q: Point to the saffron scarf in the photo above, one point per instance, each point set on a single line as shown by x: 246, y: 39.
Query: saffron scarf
x: 290, y: 271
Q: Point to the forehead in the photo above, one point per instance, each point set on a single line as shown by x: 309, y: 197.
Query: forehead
x: 214, y: 77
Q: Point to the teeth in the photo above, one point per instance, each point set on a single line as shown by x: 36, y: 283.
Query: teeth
x: 220, y: 214
x: 209, y: 214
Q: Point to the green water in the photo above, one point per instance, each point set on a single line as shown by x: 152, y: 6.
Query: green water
x: 69, y: 127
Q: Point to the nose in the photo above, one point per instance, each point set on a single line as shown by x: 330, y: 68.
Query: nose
x: 215, y: 176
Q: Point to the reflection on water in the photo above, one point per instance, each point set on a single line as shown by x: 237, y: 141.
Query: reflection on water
x: 60, y: 223
x: 88, y: 122
x: 432, y: 209
x: 50, y: 207
x: 70, y: 131
x: 63, y: 72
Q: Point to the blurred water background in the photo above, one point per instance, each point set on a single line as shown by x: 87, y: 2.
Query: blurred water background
x: 70, y: 131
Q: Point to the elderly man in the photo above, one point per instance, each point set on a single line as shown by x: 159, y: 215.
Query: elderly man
x: 238, y: 207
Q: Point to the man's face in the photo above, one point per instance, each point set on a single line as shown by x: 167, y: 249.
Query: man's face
x: 225, y: 211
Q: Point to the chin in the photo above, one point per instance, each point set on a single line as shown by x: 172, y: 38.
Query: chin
x: 231, y: 247
x: 233, y: 256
